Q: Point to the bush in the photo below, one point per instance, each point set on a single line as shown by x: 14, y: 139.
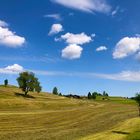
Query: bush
x: 93, y: 95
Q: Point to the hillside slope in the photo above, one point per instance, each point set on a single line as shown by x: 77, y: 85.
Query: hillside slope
x: 50, y: 117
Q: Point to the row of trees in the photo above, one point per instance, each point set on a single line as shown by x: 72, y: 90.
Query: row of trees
x: 95, y: 94
x: 91, y: 95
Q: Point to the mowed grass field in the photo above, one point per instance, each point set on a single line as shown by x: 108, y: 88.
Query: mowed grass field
x: 48, y: 117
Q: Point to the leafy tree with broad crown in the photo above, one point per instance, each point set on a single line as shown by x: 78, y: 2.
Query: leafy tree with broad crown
x: 28, y: 82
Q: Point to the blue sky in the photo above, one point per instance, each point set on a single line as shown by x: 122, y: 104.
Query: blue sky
x: 76, y: 45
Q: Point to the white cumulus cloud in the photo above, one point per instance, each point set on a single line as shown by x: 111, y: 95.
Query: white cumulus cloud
x: 55, y: 29
x: 80, y: 39
x: 137, y: 56
x: 72, y: 51
x: 12, y: 69
x: 3, y: 23
x: 101, y: 48
x: 86, y: 5
x: 9, y: 38
x: 126, y: 46
x: 137, y: 35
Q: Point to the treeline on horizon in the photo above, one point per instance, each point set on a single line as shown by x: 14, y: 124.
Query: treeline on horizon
x: 28, y: 82
x: 90, y: 95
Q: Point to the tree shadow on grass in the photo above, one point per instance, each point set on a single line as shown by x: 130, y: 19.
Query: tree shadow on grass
x: 121, y: 132
x: 23, y: 95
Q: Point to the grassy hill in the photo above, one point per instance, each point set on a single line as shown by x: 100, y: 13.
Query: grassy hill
x: 50, y: 117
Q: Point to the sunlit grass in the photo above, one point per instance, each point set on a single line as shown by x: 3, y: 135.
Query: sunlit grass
x: 46, y: 116
x: 128, y: 130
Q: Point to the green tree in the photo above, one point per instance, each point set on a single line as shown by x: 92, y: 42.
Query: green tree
x: 107, y: 94
x: 94, y: 95
x: 89, y: 95
x: 28, y: 82
x: 137, y: 98
x: 104, y: 93
x: 38, y: 88
x: 55, y: 91
x: 6, y: 82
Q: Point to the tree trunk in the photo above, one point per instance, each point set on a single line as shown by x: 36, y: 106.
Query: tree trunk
x: 26, y: 93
